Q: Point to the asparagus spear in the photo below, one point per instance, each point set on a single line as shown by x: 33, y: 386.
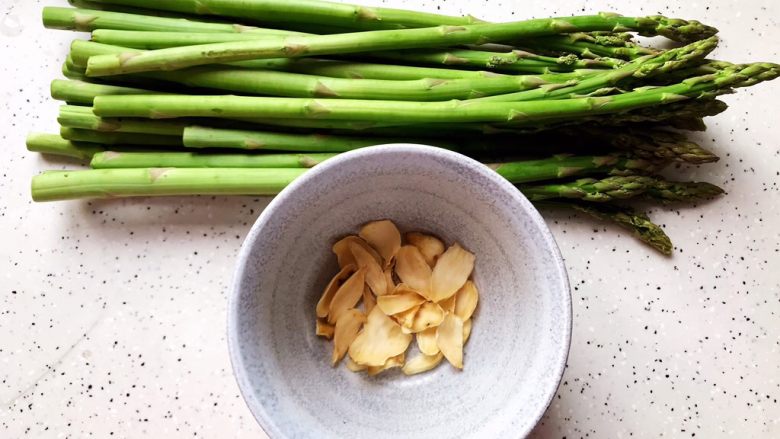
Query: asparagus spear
x: 648, y: 143
x: 637, y: 223
x: 366, y: 18
x: 513, y: 62
x: 97, y: 183
x: 295, y: 46
x: 55, y: 145
x: 87, y: 20
x: 276, y: 83
x: 587, y: 46
x: 109, y: 138
x: 79, y: 92
x: 589, y: 189
x: 168, y: 106
x: 622, y: 187
x: 116, y: 160
x: 562, y: 166
x: 81, y: 51
x: 308, y: 12
x: 205, y: 137
x: 646, y: 66
x: 82, y: 117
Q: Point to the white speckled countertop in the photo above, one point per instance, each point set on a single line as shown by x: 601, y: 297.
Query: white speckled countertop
x: 112, y: 318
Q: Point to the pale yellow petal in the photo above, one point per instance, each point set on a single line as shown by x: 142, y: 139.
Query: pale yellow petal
x: 406, y: 318
x: 431, y: 247
x: 426, y: 342
x: 399, y: 302
x: 375, y: 277
x: 324, y: 329
x: 466, y: 330
x: 369, y: 300
x: 384, y: 237
x: 380, y: 339
x: 422, y: 363
x: 448, y: 304
x: 389, y: 278
x: 354, y: 367
x: 411, y: 268
x: 450, y: 273
x: 347, y: 296
x: 397, y: 361
x: 449, y: 338
x: 344, y: 254
x: 327, y: 297
x: 466, y: 300
x: 430, y: 315
x: 347, y: 327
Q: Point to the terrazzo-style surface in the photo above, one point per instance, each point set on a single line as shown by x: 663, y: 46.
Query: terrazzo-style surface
x: 112, y: 313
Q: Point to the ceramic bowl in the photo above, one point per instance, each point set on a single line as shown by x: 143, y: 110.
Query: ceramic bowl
x: 521, y: 329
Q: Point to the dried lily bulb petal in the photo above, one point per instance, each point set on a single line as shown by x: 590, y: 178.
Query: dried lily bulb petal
x: 449, y: 337
x: 347, y: 296
x: 397, y: 361
x: 369, y: 301
x: 384, y: 237
x: 354, y: 367
x: 466, y: 300
x: 430, y: 315
x: 426, y: 341
x: 431, y: 247
x: 380, y: 339
x: 401, y: 300
x: 450, y: 273
x: 324, y: 329
x: 347, y: 327
x: 411, y: 268
x: 448, y: 304
x: 344, y: 254
x: 324, y: 304
x: 422, y: 363
x: 406, y: 318
x: 389, y: 278
x: 466, y: 330
x: 375, y: 277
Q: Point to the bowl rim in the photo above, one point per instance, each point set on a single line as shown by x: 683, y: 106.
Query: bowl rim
x: 257, y: 409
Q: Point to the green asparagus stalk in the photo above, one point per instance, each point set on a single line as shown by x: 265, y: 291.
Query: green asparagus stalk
x: 511, y: 62
x: 516, y: 61
x: 562, y: 166
x: 82, y: 117
x: 87, y: 20
x: 110, y: 183
x: 55, y: 145
x: 650, y: 143
x: 295, y: 46
x: 648, y: 65
x: 682, y: 191
x: 114, y: 138
x: 637, y: 223
x: 81, y: 51
x: 117, y: 160
x: 169, y: 106
x: 589, y: 189
x: 276, y: 83
x: 366, y: 18
x: 586, y: 46
x: 307, y: 12
x: 622, y: 187
x: 206, y: 137
x: 79, y: 92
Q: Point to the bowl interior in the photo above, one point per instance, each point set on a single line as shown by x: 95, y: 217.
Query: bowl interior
x: 520, y: 337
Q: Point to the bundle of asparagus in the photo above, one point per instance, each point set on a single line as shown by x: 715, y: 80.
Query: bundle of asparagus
x: 571, y: 110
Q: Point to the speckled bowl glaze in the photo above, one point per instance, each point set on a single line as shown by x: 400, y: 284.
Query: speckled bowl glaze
x: 520, y: 340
